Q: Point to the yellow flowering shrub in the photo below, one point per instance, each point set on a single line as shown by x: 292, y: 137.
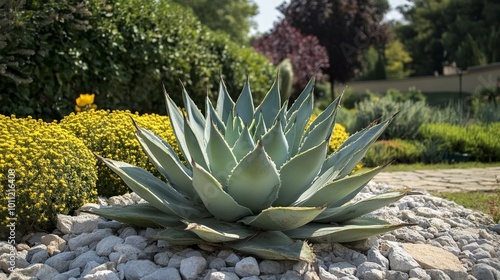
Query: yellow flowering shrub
x: 111, y: 134
x: 49, y: 170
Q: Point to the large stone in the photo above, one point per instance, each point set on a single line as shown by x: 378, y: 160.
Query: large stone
x: 192, y: 267
x: 77, y: 225
x: 431, y: 257
x: 247, y: 267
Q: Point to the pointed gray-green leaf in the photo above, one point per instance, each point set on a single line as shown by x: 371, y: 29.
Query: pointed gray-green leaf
x: 323, y: 233
x: 320, y: 132
x: 325, y: 114
x: 276, y: 145
x: 274, y: 245
x: 259, y: 129
x: 351, y: 211
x: 346, y: 157
x: 214, y: 116
x: 215, y: 231
x: 281, y: 117
x: 222, y: 160
x: 224, y: 102
x: 166, y: 161
x: 243, y: 145
x: 255, y: 182
x: 283, y: 218
x: 220, y: 204
x: 177, y: 236
x: 303, y: 96
x: 232, y: 132
x: 196, y: 146
x: 337, y: 192
x: 301, y: 117
x: 177, y: 122
x: 271, y: 104
x: 143, y: 215
x: 244, y: 105
x: 195, y: 117
x: 158, y: 193
x: 298, y: 173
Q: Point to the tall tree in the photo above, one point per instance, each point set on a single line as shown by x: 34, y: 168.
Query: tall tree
x: 345, y: 27
x: 233, y: 17
x: 305, y: 52
x: 435, y: 32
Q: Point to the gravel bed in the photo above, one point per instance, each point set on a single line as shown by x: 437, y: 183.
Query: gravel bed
x: 447, y: 241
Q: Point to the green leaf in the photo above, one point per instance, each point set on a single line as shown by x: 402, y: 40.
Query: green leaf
x: 337, y: 192
x: 283, y: 218
x: 158, y: 193
x: 176, y: 236
x: 213, y: 115
x: 222, y: 160
x: 298, y: 173
x: 225, y: 104
x: 302, y: 97
x: 317, y: 134
x: 215, y: 231
x: 244, y: 105
x: 166, y: 161
x: 254, y: 182
x: 216, y: 200
x: 259, y: 129
x: 351, y: 211
x: 271, y: 104
x: 276, y: 145
x: 300, y: 119
x: 195, y: 117
x: 275, y: 245
x: 244, y: 144
x: 196, y: 146
x: 325, y: 114
x: 320, y: 233
x: 177, y: 122
x: 143, y: 215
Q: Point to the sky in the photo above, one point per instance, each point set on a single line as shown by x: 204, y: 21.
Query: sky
x: 268, y: 14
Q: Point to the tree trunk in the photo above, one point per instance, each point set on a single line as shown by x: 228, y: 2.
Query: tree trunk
x: 332, y: 88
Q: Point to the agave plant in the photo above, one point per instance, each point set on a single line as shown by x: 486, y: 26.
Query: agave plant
x: 255, y: 179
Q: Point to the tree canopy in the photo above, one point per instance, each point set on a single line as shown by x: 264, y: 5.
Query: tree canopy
x: 440, y: 32
x: 347, y: 28
x: 233, y: 17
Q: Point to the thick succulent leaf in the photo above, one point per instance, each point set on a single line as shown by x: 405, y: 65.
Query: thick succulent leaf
x: 244, y: 105
x: 244, y: 144
x: 337, y: 192
x: 143, y: 215
x: 222, y: 160
x: 317, y: 134
x: 197, y: 147
x: 215, y: 231
x: 298, y: 173
x: 276, y: 145
x: 275, y: 245
x: 271, y: 104
x: 281, y: 117
x: 214, y: 117
x: 158, y: 193
x: 302, y: 97
x: 345, y: 158
x: 325, y: 114
x: 232, y: 129
x: 351, y: 211
x: 219, y: 203
x: 321, y: 233
x: 177, y: 122
x: 225, y: 104
x: 254, y: 182
x: 178, y: 236
x: 283, y: 218
x: 195, y: 117
x: 300, y: 119
x: 167, y: 162
x: 259, y: 128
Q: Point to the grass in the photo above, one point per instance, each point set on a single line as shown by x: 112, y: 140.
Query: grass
x: 422, y: 166
x: 487, y: 202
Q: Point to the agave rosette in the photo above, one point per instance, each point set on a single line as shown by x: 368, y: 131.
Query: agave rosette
x: 255, y: 179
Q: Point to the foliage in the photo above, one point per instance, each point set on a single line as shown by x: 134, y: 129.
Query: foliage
x: 396, y: 60
x: 286, y: 78
x: 434, y: 31
x: 54, y: 173
x: 345, y: 28
x: 411, y: 116
x: 257, y: 179
x: 479, y: 141
x: 229, y: 16
x: 110, y: 134
x: 398, y: 150
x: 487, y: 202
x: 122, y: 51
x: 413, y: 94
x: 304, y: 51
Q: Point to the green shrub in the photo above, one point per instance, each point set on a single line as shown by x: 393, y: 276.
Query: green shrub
x: 405, y: 126
x: 350, y: 98
x: 412, y: 94
x: 123, y: 51
x: 111, y: 134
x: 400, y: 151
x: 54, y: 173
x: 479, y: 141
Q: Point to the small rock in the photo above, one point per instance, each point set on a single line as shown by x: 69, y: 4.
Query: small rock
x: 74, y: 273
x: 374, y: 255
x: 163, y: 258
x: 363, y: 268
x: 137, y: 269
x: 128, y: 231
x: 485, y: 272
x: 40, y: 257
x: 78, y: 224
x: 374, y: 274
x: 495, y: 228
x: 136, y: 241
x: 400, y: 260
x: 271, y: 267
x: 192, y: 267
x: 419, y: 273
x: 232, y: 259
x: 102, y: 275
x: 344, y: 268
x: 431, y: 257
x: 84, y: 258
x: 437, y: 274
x: 247, y: 267
x: 164, y: 273
x: 396, y: 275
x: 85, y: 239
x: 106, y: 245
x: 222, y: 276
x: 37, y: 271
x: 61, y: 261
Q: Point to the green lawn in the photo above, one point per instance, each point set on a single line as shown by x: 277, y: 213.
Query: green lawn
x: 422, y: 166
